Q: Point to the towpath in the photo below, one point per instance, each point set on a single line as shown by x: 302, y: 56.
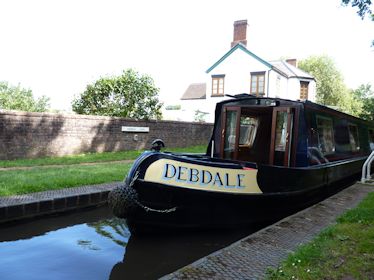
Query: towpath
x: 250, y: 257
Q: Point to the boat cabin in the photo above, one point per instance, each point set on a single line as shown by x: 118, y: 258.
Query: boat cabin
x: 287, y: 133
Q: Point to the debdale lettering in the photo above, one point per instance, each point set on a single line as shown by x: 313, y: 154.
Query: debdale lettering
x: 202, y: 177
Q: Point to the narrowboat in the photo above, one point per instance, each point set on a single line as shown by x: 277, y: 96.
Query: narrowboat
x: 267, y: 158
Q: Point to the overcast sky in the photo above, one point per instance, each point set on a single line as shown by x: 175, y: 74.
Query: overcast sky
x: 56, y: 47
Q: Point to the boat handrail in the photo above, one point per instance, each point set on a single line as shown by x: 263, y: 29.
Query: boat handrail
x: 368, y: 176
x: 366, y: 168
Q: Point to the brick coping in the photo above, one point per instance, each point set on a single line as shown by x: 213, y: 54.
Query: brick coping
x: 49, y: 202
x: 250, y: 257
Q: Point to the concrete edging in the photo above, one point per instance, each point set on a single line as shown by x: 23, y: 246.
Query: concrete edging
x: 43, y: 203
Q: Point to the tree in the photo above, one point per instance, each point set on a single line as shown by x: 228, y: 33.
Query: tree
x: 331, y: 90
x: 130, y: 95
x: 366, y: 94
x: 363, y: 9
x: 18, y: 98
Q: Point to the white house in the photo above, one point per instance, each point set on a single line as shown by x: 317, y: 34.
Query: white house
x: 241, y: 71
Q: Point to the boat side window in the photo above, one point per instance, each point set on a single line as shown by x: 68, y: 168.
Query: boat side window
x: 342, y: 137
x: 248, y: 129
x: 230, y: 133
x: 371, y: 139
x: 353, y: 137
x: 325, y: 135
x: 281, y: 132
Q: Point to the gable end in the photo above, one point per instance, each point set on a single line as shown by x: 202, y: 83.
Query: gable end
x: 244, y: 49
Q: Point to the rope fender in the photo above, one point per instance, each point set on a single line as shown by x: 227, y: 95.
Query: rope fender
x: 124, y: 199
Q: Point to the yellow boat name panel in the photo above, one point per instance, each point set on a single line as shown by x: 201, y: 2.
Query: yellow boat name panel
x: 201, y: 177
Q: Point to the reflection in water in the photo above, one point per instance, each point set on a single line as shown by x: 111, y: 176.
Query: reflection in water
x: 54, y: 248
x: 110, y: 228
x: 88, y: 245
x: 150, y: 257
x: 94, y: 245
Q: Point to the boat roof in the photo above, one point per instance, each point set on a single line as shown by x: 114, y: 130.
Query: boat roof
x: 246, y: 97
x: 267, y: 101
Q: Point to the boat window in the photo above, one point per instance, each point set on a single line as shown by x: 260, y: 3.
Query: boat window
x: 371, y: 139
x: 325, y: 135
x: 230, y: 132
x: 248, y: 129
x: 353, y: 137
x: 281, y: 131
x: 342, y: 137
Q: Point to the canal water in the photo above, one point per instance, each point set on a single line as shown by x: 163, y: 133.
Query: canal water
x: 92, y: 244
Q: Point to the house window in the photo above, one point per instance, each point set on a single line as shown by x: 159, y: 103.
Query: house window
x: 218, y: 83
x: 353, y: 137
x: 258, y: 83
x: 325, y: 135
x: 304, y: 90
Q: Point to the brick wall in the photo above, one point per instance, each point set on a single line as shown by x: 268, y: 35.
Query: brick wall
x: 30, y: 135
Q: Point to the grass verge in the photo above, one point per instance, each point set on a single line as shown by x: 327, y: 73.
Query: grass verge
x: 342, y: 251
x: 90, y: 157
x: 15, y: 182
x: 43, y: 178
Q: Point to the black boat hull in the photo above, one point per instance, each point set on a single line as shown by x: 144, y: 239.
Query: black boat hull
x: 284, y: 191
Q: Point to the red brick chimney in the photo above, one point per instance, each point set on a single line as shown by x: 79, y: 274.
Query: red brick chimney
x: 240, y: 33
x: 292, y: 61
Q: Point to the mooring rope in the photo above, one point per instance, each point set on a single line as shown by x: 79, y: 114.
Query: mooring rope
x: 146, y: 208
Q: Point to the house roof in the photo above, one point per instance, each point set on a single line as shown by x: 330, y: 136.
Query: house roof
x: 244, y: 49
x: 285, y: 69
x: 290, y: 70
x: 195, y: 91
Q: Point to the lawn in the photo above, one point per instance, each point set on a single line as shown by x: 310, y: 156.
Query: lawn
x: 89, y: 157
x: 65, y: 172
x: 342, y: 251
x: 50, y: 178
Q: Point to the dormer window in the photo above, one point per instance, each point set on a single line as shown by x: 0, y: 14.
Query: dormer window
x: 258, y: 83
x: 218, y: 85
x: 304, y: 90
